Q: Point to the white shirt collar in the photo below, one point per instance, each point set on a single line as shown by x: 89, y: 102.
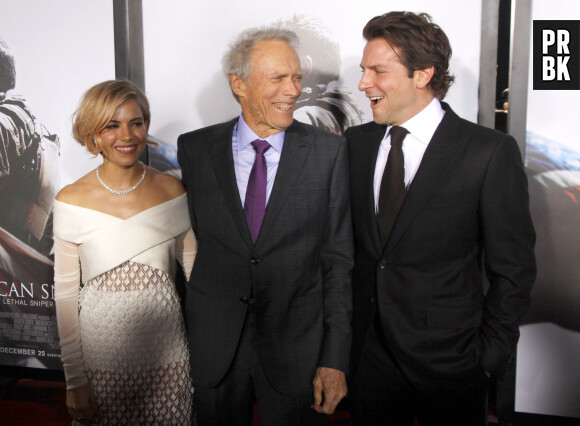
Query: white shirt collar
x: 245, y: 136
x: 423, y: 125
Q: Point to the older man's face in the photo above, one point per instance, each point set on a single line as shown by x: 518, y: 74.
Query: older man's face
x: 268, y: 96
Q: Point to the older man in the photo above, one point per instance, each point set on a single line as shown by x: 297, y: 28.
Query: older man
x: 438, y: 202
x: 268, y: 304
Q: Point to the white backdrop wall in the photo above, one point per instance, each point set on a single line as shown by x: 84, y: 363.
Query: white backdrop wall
x: 185, y: 40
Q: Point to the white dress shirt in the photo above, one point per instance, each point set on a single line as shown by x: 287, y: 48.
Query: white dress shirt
x: 421, y: 128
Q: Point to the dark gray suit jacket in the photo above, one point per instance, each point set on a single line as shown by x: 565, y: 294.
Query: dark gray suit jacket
x: 465, y: 215
x: 299, y: 270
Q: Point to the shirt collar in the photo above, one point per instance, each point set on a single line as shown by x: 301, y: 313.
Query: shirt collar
x: 423, y: 125
x: 246, y: 136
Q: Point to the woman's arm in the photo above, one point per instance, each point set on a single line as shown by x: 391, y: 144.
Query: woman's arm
x: 81, y: 401
x: 185, y: 251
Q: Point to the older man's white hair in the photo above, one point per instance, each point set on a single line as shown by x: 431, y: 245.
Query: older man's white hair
x: 237, y: 59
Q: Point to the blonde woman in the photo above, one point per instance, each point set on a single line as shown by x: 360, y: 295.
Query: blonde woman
x: 117, y: 233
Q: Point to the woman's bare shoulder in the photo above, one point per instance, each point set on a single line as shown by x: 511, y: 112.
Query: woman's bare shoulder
x: 169, y: 185
x: 77, y: 192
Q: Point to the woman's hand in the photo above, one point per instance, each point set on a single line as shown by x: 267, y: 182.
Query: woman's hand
x: 82, y: 404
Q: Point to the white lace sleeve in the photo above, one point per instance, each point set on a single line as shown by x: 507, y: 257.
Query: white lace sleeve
x: 186, y: 250
x: 67, y: 279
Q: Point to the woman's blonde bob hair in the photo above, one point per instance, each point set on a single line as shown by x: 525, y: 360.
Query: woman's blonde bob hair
x: 97, y: 108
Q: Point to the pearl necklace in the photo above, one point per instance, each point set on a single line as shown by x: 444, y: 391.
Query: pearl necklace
x: 126, y: 191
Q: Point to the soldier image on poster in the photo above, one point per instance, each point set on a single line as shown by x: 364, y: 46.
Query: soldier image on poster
x: 28, y: 185
x: 323, y: 102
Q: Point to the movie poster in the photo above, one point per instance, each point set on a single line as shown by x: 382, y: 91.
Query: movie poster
x: 50, y: 53
x: 184, y: 43
x: 548, y: 372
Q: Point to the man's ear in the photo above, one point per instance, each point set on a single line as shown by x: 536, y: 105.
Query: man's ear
x: 238, y: 85
x: 423, y: 77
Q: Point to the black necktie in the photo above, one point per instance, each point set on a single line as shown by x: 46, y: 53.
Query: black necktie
x: 392, y: 191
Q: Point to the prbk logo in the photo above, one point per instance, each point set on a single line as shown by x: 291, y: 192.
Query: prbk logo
x: 556, y: 55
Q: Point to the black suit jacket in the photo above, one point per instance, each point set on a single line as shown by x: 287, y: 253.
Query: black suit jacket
x: 465, y: 215
x: 299, y: 270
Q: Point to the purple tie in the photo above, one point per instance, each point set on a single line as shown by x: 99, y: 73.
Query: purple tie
x: 255, y: 204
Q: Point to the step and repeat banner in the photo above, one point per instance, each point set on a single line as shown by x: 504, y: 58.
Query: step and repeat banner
x: 50, y: 53
x: 58, y: 49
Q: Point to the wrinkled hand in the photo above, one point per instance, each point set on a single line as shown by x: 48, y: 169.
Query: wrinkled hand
x: 82, y: 404
x: 329, y: 389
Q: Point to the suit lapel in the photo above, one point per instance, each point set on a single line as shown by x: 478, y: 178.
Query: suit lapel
x: 297, y: 144
x: 223, y: 165
x: 368, y: 146
x: 442, y: 152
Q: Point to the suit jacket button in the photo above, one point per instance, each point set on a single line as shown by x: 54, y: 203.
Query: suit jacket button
x: 383, y: 264
x: 254, y: 261
x: 245, y: 300
x: 373, y: 300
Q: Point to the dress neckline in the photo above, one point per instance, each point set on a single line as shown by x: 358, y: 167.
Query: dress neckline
x: 117, y: 217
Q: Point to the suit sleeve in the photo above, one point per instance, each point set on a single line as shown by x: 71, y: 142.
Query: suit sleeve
x: 186, y: 177
x: 337, y: 262
x: 508, y: 240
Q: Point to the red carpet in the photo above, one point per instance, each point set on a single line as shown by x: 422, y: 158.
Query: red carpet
x: 37, y: 402
x: 34, y: 402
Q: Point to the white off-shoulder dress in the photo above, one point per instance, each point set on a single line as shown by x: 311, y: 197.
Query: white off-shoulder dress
x: 122, y: 329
